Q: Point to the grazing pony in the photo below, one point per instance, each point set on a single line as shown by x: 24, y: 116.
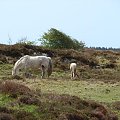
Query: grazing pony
x: 73, y: 70
x: 34, y: 62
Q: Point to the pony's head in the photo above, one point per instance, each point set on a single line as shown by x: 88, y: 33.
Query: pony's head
x: 15, y: 71
x: 17, y: 66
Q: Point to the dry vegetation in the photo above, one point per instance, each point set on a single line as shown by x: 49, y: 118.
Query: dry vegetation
x: 60, y: 98
x: 49, y: 106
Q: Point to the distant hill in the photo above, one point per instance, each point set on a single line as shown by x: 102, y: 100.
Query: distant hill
x: 89, y: 56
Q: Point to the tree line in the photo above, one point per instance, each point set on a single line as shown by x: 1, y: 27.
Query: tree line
x: 55, y: 39
x: 105, y: 48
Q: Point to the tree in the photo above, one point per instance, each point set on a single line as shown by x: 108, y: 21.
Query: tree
x: 58, y: 40
x: 78, y: 44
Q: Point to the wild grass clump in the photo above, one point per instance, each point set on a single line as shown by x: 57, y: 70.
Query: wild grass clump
x: 105, y: 75
x: 29, y: 100
x: 71, y: 107
x: 72, y: 116
x: 23, y: 115
x: 6, y: 116
x: 116, y: 105
x: 12, y: 88
x: 17, y: 101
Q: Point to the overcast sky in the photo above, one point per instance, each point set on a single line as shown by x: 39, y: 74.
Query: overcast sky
x: 95, y: 22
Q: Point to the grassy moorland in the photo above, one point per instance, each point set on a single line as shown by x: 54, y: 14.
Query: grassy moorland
x: 50, y: 93
x: 95, y: 95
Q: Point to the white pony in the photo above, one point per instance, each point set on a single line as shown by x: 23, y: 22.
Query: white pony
x: 73, y: 70
x: 33, y: 62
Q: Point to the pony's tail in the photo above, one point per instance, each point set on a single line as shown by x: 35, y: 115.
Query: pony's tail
x: 50, y: 67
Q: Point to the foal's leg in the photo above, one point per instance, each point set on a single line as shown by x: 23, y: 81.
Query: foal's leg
x: 71, y: 75
x: 74, y: 73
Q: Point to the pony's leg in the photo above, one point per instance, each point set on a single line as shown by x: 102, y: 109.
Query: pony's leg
x: 47, y: 72
x: 26, y: 73
x: 43, y: 72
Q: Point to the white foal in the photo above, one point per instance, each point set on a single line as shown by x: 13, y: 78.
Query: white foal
x: 73, y: 70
